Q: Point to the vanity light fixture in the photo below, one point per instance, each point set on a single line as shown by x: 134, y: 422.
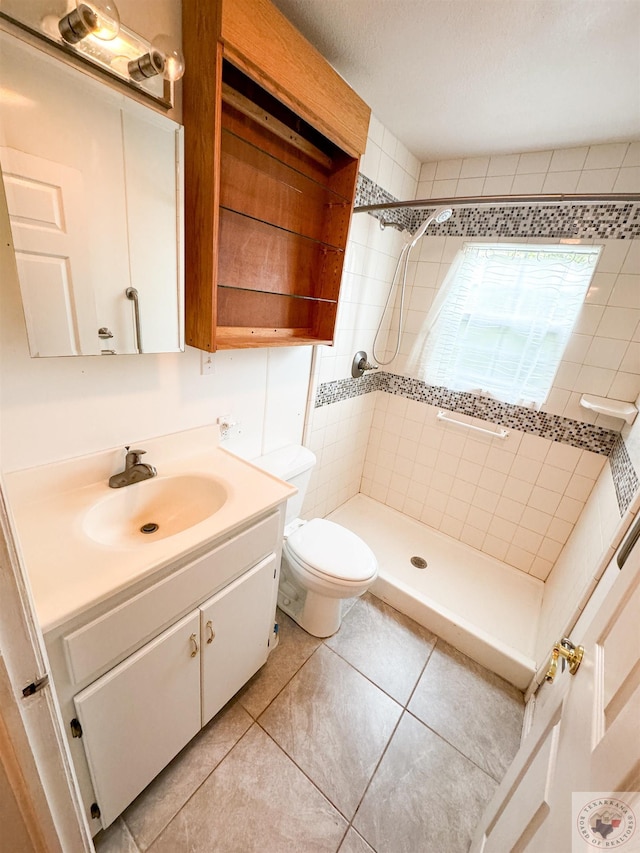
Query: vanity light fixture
x: 163, y: 58
x: 92, y: 32
x: 101, y: 20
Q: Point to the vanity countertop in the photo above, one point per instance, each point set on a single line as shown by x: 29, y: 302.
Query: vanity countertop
x: 71, y: 572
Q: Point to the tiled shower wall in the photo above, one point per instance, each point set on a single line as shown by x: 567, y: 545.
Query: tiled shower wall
x: 587, y: 169
x: 516, y: 499
x: 519, y: 499
x: 339, y: 433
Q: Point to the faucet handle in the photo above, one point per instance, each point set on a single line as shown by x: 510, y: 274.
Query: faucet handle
x: 133, y: 456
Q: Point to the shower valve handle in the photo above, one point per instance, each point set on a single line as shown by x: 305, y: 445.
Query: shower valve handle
x: 360, y: 364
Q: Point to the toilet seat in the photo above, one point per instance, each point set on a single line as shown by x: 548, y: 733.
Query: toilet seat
x: 332, y: 553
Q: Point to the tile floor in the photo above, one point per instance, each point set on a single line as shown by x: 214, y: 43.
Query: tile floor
x: 382, y: 738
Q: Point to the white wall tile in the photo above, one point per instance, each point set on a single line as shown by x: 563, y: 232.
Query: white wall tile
x: 447, y: 169
x: 528, y: 184
x: 474, y: 167
x: 469, y: 186
x: 628, y: 180
x: 561, y: 182
x: 597, y: 181
x: 606, y: 156
x: 568, y: 159
x: 605, y: 353
x: 504, y: 164
x: 497, y: 185
x: 534, y: 162
x: 618, y: 323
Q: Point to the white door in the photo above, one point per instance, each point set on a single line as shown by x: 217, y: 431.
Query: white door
x: 31, y: 724
x: 47, y: 213
x: 585, y: 741
x: 140, y: 714
x: 236, y: 626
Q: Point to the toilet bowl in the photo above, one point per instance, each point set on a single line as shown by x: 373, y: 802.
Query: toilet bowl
x: 323, y: 564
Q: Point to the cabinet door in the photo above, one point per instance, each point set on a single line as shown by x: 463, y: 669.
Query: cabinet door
x: 139, y: 715
x: 236, y: 626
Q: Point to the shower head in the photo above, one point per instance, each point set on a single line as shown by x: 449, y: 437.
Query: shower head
x: 440, y: 215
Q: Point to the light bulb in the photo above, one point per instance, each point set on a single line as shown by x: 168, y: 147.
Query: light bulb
x: 99, y: 19
x: 164, y: 58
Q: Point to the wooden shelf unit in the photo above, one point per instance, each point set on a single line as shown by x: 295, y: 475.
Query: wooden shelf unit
x: 269, y: 195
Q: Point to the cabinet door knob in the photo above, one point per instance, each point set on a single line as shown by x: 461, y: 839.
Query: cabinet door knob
x: 212, y: 633
x: 194, y: 643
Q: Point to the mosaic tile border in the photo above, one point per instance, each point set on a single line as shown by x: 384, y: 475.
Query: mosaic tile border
x: 579, y: 221
x: 554, y: 427
x: 345, y: 389
x: 625, y: 479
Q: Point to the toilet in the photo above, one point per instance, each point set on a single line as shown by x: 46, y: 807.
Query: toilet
x: 323, y: 564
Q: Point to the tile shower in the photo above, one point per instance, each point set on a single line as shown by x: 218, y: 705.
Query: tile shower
x: 519, y: 501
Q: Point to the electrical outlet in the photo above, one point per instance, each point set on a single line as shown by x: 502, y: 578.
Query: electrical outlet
x: 207, y: 363
x: 226, y: 423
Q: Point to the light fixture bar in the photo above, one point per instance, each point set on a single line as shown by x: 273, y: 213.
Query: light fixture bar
x: 111, y: 58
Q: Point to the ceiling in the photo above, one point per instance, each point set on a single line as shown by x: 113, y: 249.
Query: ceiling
x: 464, y: 78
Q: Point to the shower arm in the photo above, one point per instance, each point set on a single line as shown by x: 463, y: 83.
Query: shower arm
x: 505, y: 200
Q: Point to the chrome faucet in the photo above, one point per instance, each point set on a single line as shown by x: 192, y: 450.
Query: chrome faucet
x: 134, y: 470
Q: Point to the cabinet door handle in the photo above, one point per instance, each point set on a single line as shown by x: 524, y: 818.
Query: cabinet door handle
x: 194, y: 642
x: 212, y: 633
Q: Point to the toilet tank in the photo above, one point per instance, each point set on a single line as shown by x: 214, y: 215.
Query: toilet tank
x: 293, y: 463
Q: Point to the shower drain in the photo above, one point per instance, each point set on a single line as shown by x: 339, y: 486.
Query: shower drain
x: 419, y: 562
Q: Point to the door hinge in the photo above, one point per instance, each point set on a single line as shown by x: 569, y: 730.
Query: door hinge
x: 95, y: 810
x: 35, y: 686
x: 76, y: 728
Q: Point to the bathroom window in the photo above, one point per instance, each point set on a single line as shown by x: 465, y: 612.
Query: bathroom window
x: 502, y: 319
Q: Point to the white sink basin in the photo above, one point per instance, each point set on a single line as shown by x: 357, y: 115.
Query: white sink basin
x: 154, y: 509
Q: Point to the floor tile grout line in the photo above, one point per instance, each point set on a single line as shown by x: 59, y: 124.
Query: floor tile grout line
x: 384, y: 751
x: 422, y: 672
x: 286, y: 684
x: 375, y: 770
x: 452, y: 745
x: 416, y: 717
x: 194, y: 792
x: 306, y: 775
x: 365, y: 676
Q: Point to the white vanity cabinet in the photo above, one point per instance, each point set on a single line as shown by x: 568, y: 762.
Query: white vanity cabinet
x: 139, y: 677
x: 235, y: 623
x: 139, y: 715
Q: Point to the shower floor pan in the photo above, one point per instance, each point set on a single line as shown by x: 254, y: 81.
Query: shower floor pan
x: 482, y: 607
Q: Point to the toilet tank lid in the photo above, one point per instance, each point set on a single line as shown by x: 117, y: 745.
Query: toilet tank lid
x: 287, y: 462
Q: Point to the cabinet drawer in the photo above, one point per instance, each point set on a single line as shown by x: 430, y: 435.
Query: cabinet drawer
x: 105, y: 641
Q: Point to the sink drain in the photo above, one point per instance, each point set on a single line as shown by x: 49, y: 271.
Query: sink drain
x: 151, y: 527
x: 419, y: 562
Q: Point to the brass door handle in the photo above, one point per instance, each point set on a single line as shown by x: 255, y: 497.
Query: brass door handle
x: 566, y: 650
x: 194, y: 645
x: 212, y: 633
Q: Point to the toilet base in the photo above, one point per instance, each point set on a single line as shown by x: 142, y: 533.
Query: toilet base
x: 318, y: 615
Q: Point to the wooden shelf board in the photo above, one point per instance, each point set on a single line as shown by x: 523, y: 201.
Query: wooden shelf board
x: 233, y: 337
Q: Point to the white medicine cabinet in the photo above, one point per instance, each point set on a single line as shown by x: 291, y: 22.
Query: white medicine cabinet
x: 93, y: 182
